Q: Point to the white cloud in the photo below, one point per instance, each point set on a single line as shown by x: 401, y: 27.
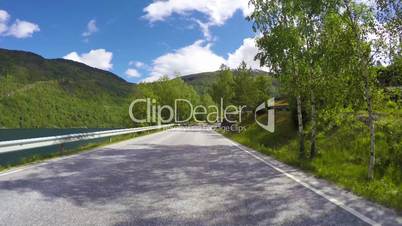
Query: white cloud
x: 195, y: 58
x: 3, y: 28
x: 98, y: 58
x: 4, y: 16
x: 137, y: 64
x: 19, y: 29
x: 246, y: 52
x: 199, y: 57
x: 205, y: 29
x: 151, y: 78
x: 133, y: 73
x: 91, y: 28
x: 22, y: 29
x: 217, y: 11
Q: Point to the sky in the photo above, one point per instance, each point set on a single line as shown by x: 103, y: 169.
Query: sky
x: 139, y: 40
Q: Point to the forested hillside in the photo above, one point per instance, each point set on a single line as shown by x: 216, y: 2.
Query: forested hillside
x: 203, y: 82
x: 36, y: 92
x: 40, y: 93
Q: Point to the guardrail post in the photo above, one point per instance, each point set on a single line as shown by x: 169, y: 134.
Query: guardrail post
x: 110, y: 139
x: 62, y: 147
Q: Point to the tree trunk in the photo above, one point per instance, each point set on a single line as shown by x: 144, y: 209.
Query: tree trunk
x: 367, y: 92
x: 371, y: 126
x: 300, y: 122
x: 399, y: 49
x: 313, y: 150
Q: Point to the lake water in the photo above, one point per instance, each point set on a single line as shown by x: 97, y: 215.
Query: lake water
x: 16, y: 134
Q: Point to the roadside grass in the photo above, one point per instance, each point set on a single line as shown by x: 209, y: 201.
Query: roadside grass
x: 68, y: 152
x: 343, y: 154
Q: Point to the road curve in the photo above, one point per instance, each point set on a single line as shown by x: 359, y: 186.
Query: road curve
x: 177, y: 177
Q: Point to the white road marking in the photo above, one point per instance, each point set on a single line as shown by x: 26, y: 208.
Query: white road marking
x: 46, y: 161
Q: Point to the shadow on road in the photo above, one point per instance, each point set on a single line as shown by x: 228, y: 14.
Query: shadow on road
x: 180, y: 185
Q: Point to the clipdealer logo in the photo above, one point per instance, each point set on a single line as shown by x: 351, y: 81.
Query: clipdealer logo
x: 163, y: 114
x: 270, y: 124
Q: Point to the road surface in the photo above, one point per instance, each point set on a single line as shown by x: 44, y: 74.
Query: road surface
x: 177, y: 177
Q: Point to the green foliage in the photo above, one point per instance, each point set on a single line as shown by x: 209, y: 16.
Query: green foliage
x: 241, y: 87
x: 250, y: 90
x: 391, y: 75
x: 207, y: 101
x: 223, y: 87
x: 389, y: 13
x: 203, y: 82
x: 166, y: 92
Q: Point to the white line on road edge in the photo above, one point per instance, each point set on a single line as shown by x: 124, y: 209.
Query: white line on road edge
x: 318, y: 192
x: 33, y: 165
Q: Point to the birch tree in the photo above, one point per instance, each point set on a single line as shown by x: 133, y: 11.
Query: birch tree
x: 311, y: 15
x: 361, y: 22
x: 279, y: 47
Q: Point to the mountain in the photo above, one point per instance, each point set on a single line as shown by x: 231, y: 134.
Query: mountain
x: 201, y: 81
x: 58, y: 93
x: 29, y: 68
x: 39, y: 92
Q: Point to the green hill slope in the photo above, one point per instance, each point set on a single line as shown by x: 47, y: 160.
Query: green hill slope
x: 37, y: 92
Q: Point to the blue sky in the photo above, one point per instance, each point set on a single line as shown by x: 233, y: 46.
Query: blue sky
x: 139, y: 40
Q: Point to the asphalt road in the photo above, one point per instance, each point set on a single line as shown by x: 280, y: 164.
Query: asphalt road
x: 177, y: 177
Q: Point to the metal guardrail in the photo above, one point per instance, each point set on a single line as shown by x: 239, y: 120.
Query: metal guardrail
x: 23, y: 144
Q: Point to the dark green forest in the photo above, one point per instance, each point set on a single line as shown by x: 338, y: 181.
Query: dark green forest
x: 40, y: 93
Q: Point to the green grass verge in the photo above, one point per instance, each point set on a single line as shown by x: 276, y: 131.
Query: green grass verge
x: 343, y: 154
x: 81, y: 149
